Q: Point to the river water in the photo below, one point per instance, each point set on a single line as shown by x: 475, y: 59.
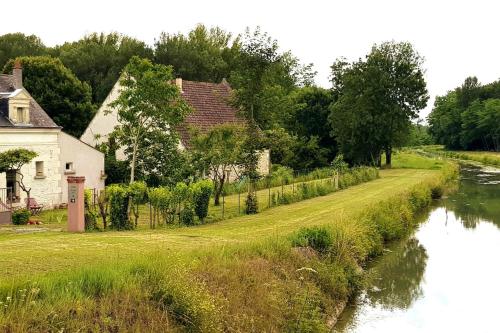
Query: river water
x: 443, y: 277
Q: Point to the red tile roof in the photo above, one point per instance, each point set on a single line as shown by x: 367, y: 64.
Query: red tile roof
x: 210, y: 103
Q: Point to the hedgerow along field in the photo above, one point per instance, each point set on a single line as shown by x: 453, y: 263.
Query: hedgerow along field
x: 289, y: 268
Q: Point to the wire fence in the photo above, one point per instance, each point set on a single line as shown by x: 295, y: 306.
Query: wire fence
x: 271, y: 191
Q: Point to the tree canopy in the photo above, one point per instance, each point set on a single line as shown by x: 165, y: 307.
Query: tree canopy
x: 218, y: 152
x: 204, y: 54
x: 468, y: 117
x: 18, y: 44
x: 98, y: 59
x: 59, y: 92
x: 149, y: 107
x: 376, y: 100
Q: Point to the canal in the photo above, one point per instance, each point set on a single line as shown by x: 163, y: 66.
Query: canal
x: 443, y: 277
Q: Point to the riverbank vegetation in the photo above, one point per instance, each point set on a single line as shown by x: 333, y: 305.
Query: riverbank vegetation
x: 468, y: 117
x: 286, y: 269
x: 484, y: 157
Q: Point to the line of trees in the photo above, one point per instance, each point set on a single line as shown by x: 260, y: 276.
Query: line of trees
x: 368, y: 110
x: 468, y: 117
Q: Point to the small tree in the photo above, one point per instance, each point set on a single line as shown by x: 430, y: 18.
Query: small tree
x: 118, y: 207
x: 202, y: 191
x: 138, y: 194
x: 13, y: 160
x: 218, y: 151
x: 149, y: 105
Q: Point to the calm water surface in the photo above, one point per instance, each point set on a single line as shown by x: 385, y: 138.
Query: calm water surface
x: 444, y: 277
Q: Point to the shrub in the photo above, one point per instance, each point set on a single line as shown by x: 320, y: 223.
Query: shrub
x: 202, y: 190
x: 21, y: 216
x: 287, y: 198
x: 307, y: 191
x: 161, y: 200
x: 119, y: 201
x: 187, y: 215
x: 437, y: 192
x: 138, y: 195
x: 251, y: 204
x: 90, y: 216
x: 319, y: 238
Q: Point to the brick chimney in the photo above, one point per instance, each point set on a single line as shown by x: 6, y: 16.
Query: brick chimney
x: 17, y: 73
x: 178, y: 83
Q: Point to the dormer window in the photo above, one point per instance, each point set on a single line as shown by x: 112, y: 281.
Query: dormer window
x: 19, y: 107
x: 20, y: 115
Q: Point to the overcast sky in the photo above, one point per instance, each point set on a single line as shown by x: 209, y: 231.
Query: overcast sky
x: 457, y: 38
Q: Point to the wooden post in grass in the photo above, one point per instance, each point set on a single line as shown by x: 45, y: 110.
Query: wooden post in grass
x: 223, y: 203
x: 76, y: 206
x: 269, y: 192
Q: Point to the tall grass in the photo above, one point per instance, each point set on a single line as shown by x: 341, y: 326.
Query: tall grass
x: 282, y: 283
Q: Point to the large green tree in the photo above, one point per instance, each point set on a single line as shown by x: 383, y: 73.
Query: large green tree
x: 18, y: 44
x: 309, y: 118
x: 149, y: 107
x: 204, y: 54
x: 468, y: 117
x: 99, y: 58
x: 61, y: 94
x: 378, y: 96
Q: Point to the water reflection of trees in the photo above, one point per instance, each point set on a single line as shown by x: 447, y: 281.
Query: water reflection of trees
x: 397, y: 277
x: 478, y: 198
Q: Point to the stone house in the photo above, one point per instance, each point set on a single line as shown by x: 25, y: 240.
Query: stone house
x: 24, y: 124
x: 209, y: 102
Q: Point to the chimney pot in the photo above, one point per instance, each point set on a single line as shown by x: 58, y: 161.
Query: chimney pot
x: 178, y: 83
x: 17, y: 73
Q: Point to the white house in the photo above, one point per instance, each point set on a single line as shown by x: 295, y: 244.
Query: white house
x: 209, y: 102
x: 24, y: 124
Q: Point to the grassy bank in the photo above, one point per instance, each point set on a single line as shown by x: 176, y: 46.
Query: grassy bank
x: 484, y: 157
x: 286, y: 269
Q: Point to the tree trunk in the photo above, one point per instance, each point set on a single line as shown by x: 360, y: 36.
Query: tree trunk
x: 388, y: 157
x: 132, y: 164
x: 379, y: 160
x: 218, y: 190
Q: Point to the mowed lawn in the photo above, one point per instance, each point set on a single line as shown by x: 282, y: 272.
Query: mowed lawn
x: 25, y: 255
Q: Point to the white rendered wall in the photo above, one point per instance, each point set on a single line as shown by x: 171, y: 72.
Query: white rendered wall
x: 102, y: 124
x: 87, y: 162
x: 45, y: 143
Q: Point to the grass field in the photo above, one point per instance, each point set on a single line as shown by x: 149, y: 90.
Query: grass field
x: 24, y: 254
x: 242, y: 274
x: 231, y: 206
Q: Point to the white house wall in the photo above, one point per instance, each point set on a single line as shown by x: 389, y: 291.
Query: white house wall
x: 45, y: 143
x: 86, y: 161
x: 103, y: 123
